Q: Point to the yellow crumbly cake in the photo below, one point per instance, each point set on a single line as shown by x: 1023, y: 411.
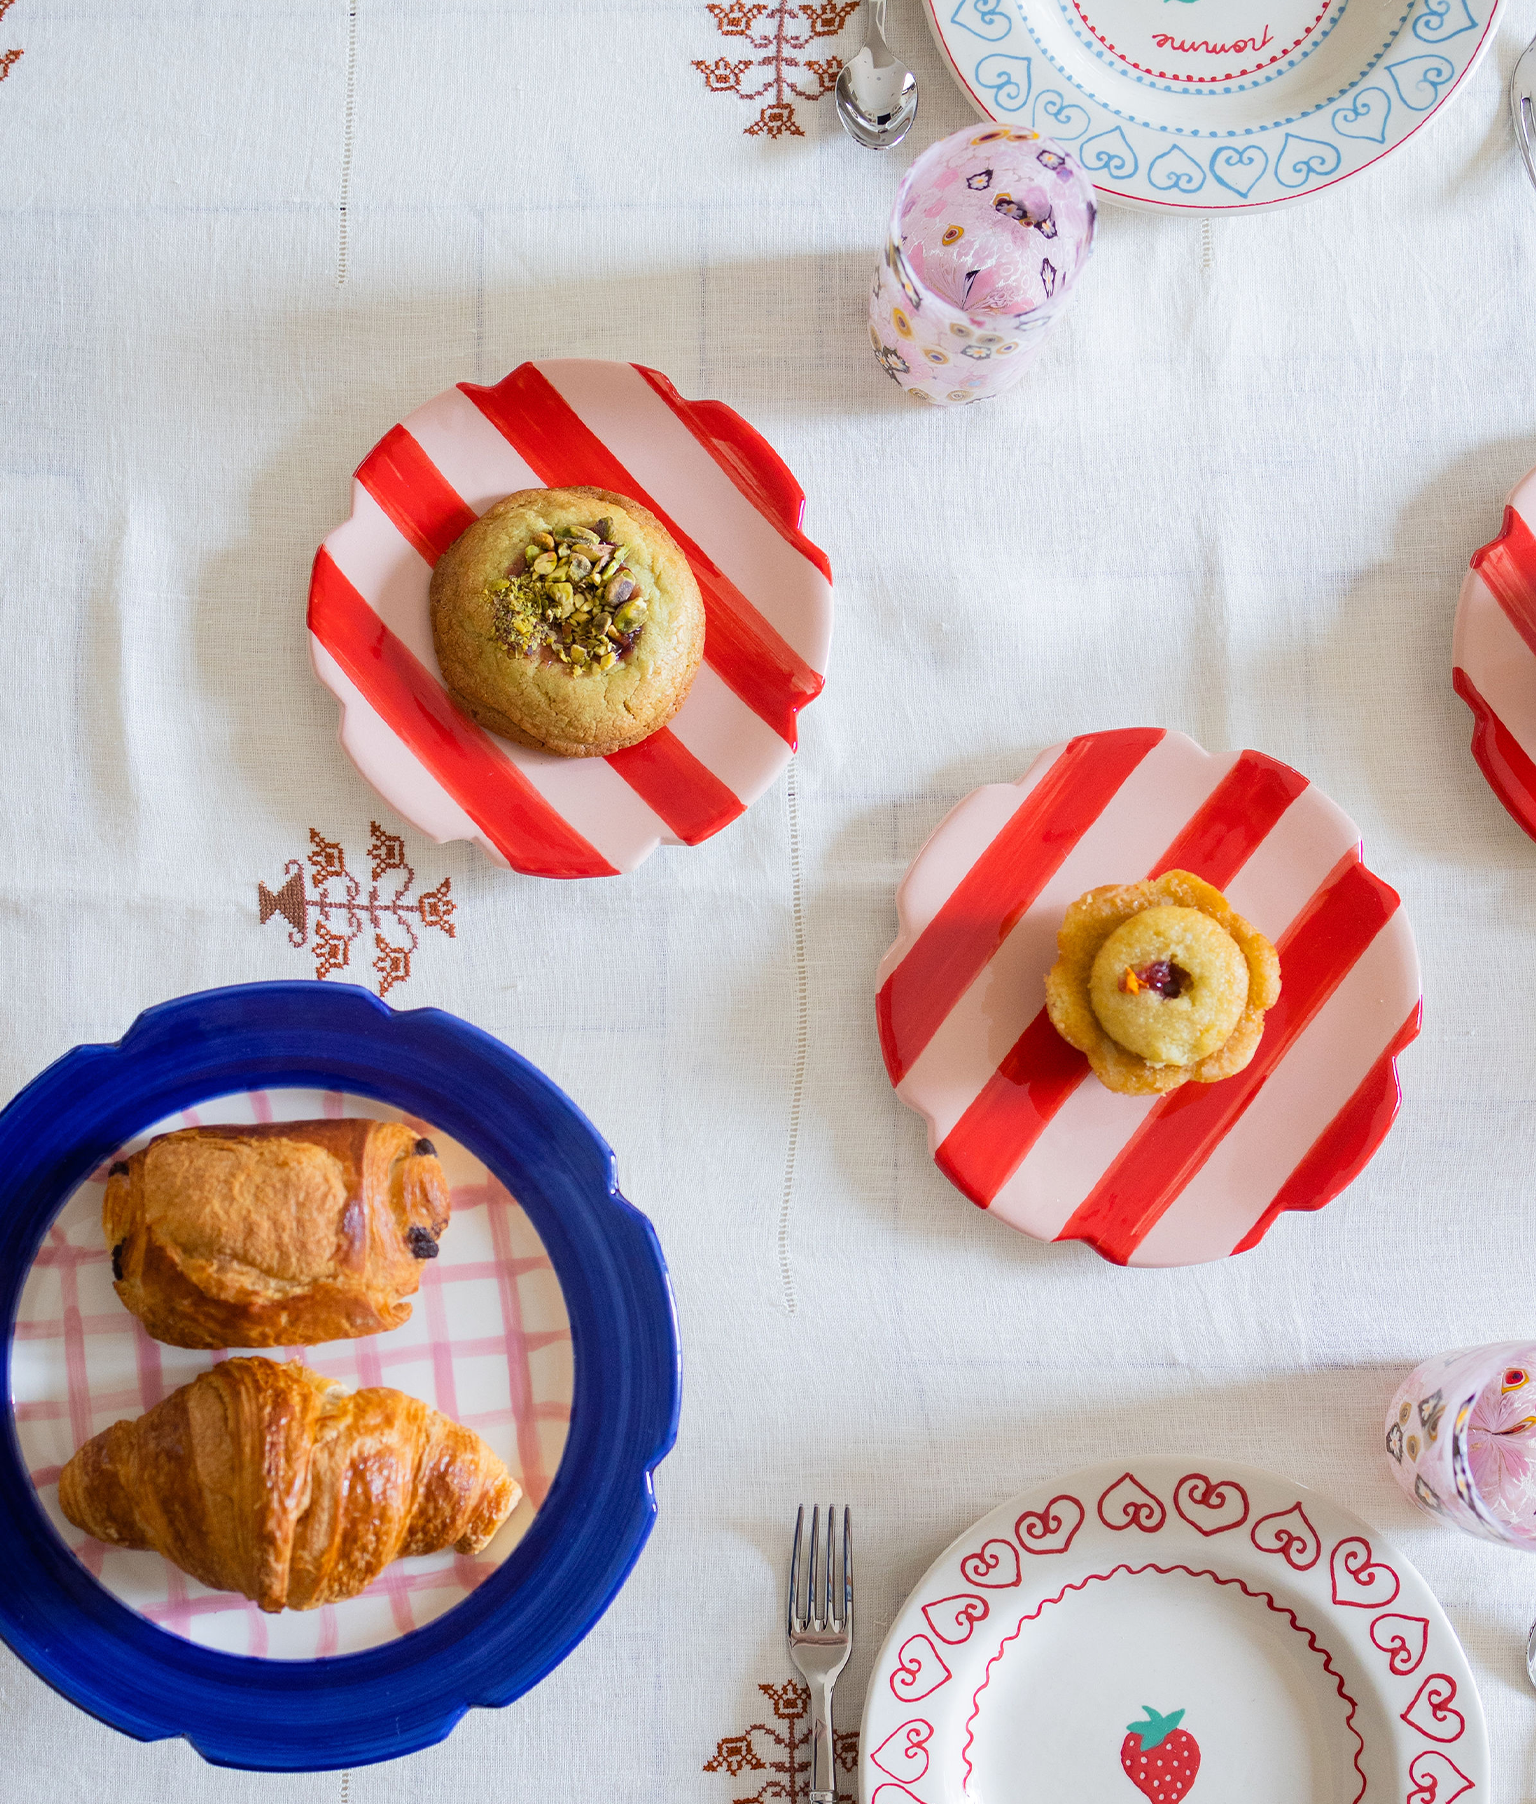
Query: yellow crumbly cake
x: 1161, y: 983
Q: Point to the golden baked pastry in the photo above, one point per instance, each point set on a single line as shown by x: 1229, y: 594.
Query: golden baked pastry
x: 270, y: 1480
x: 1161, y: 983
x: 281, y: 1235
x: 569, y: 620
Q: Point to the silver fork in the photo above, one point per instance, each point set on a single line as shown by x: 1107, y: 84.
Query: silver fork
x: 820, y: 1640
x: 1522, y: 101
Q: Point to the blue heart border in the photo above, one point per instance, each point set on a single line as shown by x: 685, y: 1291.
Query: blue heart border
x: 351, y: 1710
x: 998, y: 60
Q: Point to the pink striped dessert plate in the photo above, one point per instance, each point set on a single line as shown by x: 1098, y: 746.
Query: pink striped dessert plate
x: 1494, y: 656
x: 1177, y: 1629
x: 728, y: 500
x: 1015, y: 1119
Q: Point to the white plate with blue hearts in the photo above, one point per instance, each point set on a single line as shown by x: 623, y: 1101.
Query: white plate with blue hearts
x: 1215, y: 106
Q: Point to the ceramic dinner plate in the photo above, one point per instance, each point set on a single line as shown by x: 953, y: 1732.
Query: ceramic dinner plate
x: 732, y: 505
x: 1015, y: 1119
x: 1494, y: 656
x: 1213, y: 107
x: 1269, y: 1645
x: 545, y: 1324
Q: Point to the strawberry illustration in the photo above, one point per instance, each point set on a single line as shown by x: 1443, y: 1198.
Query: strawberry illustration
x: 1159, y: 1757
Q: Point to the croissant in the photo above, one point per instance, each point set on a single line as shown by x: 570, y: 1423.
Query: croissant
x: 270, y: 1480
x: 281, y: 1235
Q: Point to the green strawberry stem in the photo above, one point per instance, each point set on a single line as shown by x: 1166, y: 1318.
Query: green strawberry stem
x: 1157, y: 1728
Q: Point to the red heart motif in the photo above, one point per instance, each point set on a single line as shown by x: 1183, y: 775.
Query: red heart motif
x: 891, y: 1792
x: 1432, y: 1704
x: 975, y: 1568
x: 1429, y: 1771
x: 1223, y: 1503
x: 956, y: 1617
x: 1050, y: 1530
x: 919, y: 1669
x: 1136, y: 1506
x: 1289, y: 1534
x: 1403, y: 1639
x: 1358, y: 1580
x: 906, y: 1747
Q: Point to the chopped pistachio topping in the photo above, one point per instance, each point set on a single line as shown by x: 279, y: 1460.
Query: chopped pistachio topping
x: 571, y: 595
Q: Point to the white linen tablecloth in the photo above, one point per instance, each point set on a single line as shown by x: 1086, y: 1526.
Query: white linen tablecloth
x: 1235, y: 496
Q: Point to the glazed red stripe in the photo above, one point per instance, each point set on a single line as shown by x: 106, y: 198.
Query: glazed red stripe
x: 1179, y: 1135
x: 460, y: 755
x: 1500, y: 756
x: 992, y: 1138
x: 741, y: 646
x: 1225, y: 831
x: 1508, y: 567
x: 987, y: 1144
x: 748, y: 460
x: 951, y: 950
x: 414, y: 493
x: 687, y: 795
x: 1344, y: 1148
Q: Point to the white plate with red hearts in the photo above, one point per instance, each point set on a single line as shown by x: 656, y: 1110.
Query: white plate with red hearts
x: 1175, y: 1629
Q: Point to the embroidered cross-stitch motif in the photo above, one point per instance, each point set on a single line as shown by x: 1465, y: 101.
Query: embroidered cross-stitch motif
x: 329, y: 913
x: 787, y: 1747
x: 8, y: 58
x: 787, y: 29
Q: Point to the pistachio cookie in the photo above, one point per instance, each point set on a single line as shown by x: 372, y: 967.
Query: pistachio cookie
x: 567, y: 619
x: 1161, y: 983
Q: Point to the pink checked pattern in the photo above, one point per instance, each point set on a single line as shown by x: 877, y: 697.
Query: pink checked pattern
x: 488, y: 1343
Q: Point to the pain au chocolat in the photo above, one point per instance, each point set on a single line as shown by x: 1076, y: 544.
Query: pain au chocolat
x: 277, y: 1235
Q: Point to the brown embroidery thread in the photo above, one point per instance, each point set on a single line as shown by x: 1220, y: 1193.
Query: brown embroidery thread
x: 8, y: 58
x: 329, y: 915
x: 790, y: 1776
x: 738, y: 19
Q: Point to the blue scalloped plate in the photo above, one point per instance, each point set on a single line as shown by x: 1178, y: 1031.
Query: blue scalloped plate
x: 1214, y: 106
x: 304, y: 1715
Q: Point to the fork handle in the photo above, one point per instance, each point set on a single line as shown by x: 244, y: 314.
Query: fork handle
x: 823, y: 1766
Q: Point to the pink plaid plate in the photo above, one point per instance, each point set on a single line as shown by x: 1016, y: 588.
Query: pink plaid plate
x: 488, y: 1343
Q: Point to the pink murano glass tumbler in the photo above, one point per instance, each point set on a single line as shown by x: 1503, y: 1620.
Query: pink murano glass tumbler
x: 1461, y: 1438
x: 990, y: 231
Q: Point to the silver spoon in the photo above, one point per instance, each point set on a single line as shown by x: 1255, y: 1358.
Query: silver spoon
x: 876, y: 95
x: 1530, y: 1653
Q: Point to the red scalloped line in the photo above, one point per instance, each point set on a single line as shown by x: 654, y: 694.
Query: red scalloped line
x: 1199, y: 80
x: 1167, y: 1572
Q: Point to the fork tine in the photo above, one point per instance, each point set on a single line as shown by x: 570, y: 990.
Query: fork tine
x: 847, y: 1570
x: 793, y: 1622
x: 831, y: 1610
x: 813, y: 1615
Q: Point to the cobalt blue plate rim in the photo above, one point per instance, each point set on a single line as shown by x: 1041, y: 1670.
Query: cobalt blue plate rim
x: 353, y: 1709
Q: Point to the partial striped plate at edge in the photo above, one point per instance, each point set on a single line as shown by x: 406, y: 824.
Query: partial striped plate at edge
x: 734, y: 508
x: 1015, y: 1119
x: 1494, y: 656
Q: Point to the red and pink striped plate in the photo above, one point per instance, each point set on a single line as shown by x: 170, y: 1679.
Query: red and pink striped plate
x: 1494, y: 656
x: 1015, y: 1120
x: 732, y: 505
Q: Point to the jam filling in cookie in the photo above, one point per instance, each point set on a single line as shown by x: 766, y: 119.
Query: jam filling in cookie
x: 1161, y: 983
x: 1169, y: 1019
x: 571, y: 596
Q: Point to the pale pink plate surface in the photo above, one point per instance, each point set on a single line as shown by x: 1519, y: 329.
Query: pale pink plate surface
x: 731, y: 504
x: 1016, y: 1120
x: 1494, y: 656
